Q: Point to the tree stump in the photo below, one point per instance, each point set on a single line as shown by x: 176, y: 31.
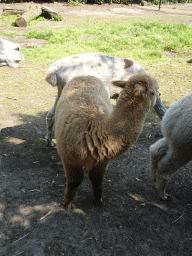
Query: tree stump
x: 143, y: 3
x: 33, y: 12
x: 11, y: 11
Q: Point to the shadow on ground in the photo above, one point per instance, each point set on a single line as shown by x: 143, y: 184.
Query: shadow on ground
x: 132, y: 220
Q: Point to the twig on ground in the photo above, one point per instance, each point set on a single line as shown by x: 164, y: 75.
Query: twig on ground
x: 94, y: 235
x: 20, y: 238
x: 178, y: 218
x: 10, y: 98
x: 46, y: 215
x: 18, y: 253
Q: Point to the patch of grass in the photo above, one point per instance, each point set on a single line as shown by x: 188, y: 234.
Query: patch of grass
x: 9, y: 17
x: 33, y: 22
x: 173, y: 75
x: 57, y: 18
x: 5, y: 23
x: 163, y: 36
x: 148, y: 39
x: 57, y: 36
x: 3, y: 33
x: 77, y: 2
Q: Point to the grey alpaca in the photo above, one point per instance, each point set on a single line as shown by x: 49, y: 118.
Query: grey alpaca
x: 107, y: 68
x: 175, y: 148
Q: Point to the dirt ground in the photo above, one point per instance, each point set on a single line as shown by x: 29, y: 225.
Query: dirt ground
x: 132, y: 220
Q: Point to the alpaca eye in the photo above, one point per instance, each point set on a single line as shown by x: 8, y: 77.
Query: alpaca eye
x: 153, y: 93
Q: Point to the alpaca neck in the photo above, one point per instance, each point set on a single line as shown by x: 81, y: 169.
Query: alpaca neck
x: 126, y: 122
x: 118, y: 131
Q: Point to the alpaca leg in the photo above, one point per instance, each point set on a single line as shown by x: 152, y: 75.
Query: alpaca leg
x: 157, y: 151
x: 160, y: 108
x: 96, y: 177
x: 74, y: 175
x: 50, y: 120
x: 167, y: 166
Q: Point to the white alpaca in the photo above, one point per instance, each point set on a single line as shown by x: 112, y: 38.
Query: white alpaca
x: 9, y: 53
x: 89, y: 132
x: 106, y: 68
x: 175, y: 148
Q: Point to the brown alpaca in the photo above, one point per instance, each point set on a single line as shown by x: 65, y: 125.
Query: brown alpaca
x: 89, y: 132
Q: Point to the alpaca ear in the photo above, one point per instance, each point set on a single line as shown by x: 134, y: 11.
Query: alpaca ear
x: 119, y: 83
x: 139, y: 90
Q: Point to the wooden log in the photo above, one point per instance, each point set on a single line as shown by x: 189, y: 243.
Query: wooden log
x: 50, y: 13
x: 33, y: 12
x: 12, y: 11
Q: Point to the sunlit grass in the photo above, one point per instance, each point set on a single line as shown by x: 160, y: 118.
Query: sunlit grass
x: 138, y: 38
x: 9, y: 17
x: 3, y: 33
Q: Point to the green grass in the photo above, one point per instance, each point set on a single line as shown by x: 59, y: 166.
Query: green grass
x: 141, y: 39
x: 40, y: 18
x: 9, y: 17
x: 3, y: 33
x: 25, y: 93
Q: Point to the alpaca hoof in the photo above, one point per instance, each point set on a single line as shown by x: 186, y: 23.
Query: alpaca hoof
x: 97, y: 202
x: 163, y: 196
x: 51, y: 143
x: 67, y: 205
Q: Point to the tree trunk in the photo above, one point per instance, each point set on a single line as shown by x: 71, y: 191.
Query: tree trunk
x: 159, y: 4
x: 11, y: 11
x: 33, y: 12
x: 50, y: 13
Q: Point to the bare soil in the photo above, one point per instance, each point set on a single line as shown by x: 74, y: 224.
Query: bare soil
x: 132, y: 220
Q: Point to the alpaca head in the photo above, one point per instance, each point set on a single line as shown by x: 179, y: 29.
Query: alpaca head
x: 142, y: 86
